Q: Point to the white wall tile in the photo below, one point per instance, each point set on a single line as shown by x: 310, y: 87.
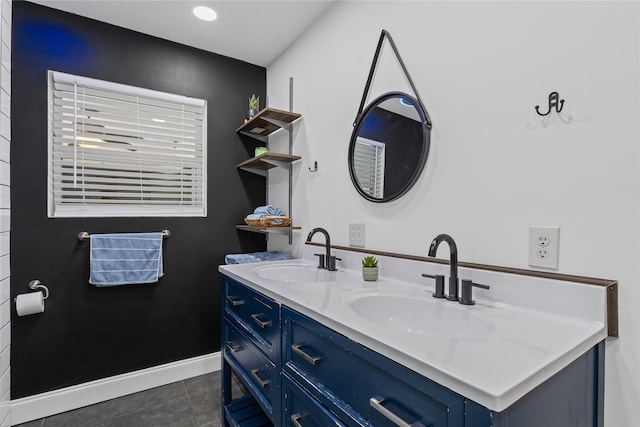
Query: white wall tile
x: 5, y: 289
x: 5, y: 313
x: 5, y: 359
x: 5, y: 145
x: 5, y: 382
x: 5, y: 336
x: 5, y: 81
x: 5, y: 103
x: 5, y: 220
x: 5, y: 410
x: 5, y: 173
x: 5, y: 31
x: 5, y: 122
x: 4, y: 244
x: 5, y: 197
x: 4, y: 268
x: 6, y: 57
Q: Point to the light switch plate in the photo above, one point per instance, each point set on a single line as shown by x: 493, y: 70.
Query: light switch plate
x: 356, y: 235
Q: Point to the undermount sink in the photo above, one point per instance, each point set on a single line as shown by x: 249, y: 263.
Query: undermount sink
x: 295, y: 273
x: 419, y: 315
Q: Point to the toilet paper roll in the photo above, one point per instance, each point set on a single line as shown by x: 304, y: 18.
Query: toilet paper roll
x: 30, y: 303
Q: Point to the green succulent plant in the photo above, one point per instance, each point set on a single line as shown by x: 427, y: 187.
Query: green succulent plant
x: 254, y: 102
x: 369, y: 261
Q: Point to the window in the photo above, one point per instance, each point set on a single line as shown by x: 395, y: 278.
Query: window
x: 117, y: 150
x: 368, y: 165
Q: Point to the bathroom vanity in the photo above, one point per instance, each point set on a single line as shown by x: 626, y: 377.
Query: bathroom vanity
x: 319, y: 348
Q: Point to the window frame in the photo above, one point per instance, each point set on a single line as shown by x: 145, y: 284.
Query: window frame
x: 149, y: 205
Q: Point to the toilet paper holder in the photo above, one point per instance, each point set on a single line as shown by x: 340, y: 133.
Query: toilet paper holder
x: 36, y: 285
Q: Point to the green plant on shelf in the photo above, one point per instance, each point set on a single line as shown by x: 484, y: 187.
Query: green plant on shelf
x: 254, y: 103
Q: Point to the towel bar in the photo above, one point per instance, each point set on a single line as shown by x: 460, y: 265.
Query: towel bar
x: 84, y: 236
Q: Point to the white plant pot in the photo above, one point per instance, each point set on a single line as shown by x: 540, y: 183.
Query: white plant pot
x: 370, y: 274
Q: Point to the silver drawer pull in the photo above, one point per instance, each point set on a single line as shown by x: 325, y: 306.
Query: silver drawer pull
x: 234, y: 302
x: 295, y: 420
x: 313, y: 360
x: 233, y: 348
x: 261, y: 383
x: 376, y: 403
x: 260, y: 322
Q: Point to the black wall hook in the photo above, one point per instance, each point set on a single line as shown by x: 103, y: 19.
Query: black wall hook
x: 315, y: 167
x: 554, y: 102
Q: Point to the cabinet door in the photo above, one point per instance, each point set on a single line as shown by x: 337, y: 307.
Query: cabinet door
x: 257, y: 372
x: 302, y: 410
x: 254, y: 314
x: 363, y: 387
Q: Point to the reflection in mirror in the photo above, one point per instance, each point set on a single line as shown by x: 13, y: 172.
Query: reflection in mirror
x: 389, y: 147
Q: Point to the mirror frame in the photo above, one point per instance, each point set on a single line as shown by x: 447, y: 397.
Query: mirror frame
x: 424, y: 152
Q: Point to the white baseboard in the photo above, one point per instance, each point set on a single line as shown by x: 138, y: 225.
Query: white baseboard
x: 54, y: 402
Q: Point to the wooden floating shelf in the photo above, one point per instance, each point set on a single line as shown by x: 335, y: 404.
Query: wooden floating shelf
x: 268, y: 121
x: 267, y: 229
x: 267, y: 161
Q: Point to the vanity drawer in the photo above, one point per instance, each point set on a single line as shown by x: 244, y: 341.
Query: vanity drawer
x: 254, y: 368
x: 361, y: 386
x: 254, y: 314
x: 300, y: 409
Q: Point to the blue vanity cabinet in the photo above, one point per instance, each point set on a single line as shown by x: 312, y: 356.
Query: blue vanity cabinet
x: 360, y: 386
x: 251, y: 349
x: 299, y: 372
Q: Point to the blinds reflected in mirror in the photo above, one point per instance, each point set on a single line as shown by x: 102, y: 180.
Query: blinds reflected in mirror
x: 368, y: 166
x: 118, y: 150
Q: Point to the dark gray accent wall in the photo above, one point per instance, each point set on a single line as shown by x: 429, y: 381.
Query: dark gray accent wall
x: 87, y: 333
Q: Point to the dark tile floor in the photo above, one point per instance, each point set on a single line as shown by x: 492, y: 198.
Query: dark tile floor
x: 194, y: 402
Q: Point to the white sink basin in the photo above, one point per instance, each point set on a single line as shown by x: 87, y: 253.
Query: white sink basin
x: 419, y: 315
x: 296, y: 273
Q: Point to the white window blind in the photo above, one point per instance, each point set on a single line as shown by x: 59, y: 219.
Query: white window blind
x: 118, y: 150
x: 368, y: 164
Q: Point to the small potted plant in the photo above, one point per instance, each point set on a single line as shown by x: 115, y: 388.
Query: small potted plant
x: 254, y: 105
x: 370, y: 268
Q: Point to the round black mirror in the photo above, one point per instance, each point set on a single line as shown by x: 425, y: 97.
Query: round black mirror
x: 389, y: 147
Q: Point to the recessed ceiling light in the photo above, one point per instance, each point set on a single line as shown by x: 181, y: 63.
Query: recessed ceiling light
x: 205, y: 13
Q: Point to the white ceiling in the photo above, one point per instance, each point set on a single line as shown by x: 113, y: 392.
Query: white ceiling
x: 255, y: 31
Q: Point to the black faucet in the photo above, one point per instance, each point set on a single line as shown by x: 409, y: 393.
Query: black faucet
x: 453, y: 251
x: 330, y: 260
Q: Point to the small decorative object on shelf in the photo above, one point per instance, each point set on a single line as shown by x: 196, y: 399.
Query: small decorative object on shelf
x: 254, y: 105
x: 370, y: 268
x: 260, y: 150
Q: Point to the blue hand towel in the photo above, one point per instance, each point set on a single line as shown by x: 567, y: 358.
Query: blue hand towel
x: 257, y: 257
x: 127, y: 258
x: 268, y: 210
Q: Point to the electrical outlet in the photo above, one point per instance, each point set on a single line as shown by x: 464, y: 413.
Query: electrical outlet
x: 544, y: 247
x: 356, y: 235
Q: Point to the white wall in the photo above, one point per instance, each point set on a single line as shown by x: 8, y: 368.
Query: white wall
x: 5, y: 206
x: 495, y: 167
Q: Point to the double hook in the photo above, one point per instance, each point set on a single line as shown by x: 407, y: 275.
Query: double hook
x: 554, y: 102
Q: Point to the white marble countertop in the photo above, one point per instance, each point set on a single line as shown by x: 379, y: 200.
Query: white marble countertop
x: 518, y: 334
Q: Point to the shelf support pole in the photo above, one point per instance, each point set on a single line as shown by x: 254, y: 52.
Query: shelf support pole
x: 290, y: 153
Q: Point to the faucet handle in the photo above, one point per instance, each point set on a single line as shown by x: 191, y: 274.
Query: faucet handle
x: 320, y: 260
x: 331, y: 263
x: 467, y: 287
x: 439, y: 293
